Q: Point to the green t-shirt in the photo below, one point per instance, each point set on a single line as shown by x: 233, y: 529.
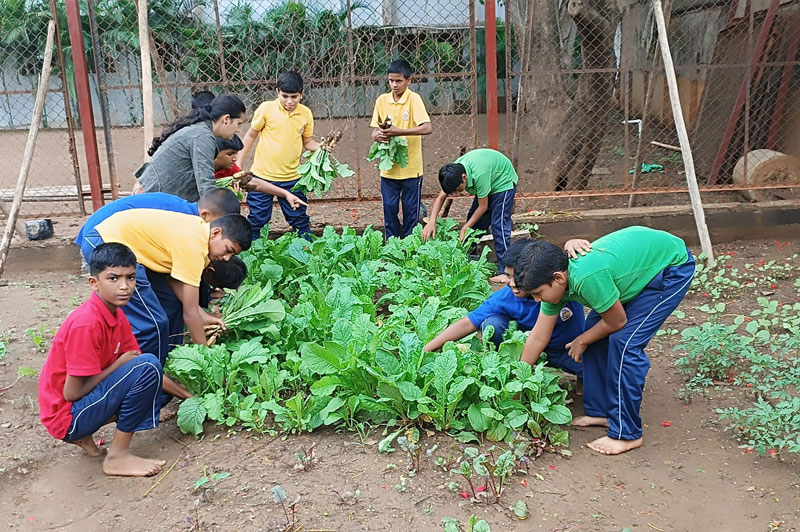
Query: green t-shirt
x: 488, y: 172
x: 619, y: 266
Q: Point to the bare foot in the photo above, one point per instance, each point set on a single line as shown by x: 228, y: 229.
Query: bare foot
x: 88, y: 446
x: 606, y: 445
x: 589, y: 421
x: 499, y: 279
x: 129, y: 465
x: 166, y: 414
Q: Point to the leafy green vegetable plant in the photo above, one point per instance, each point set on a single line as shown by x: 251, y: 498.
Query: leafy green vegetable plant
x: 347, y: 351
x: 321, y: 168
x: 394, y: 151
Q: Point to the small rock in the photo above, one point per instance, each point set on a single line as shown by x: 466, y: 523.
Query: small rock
x: 5, y: 425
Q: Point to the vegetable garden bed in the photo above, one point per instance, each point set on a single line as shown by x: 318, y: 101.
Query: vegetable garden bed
x: 330, y: 333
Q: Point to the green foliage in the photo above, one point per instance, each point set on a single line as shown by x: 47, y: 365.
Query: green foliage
x: 389, y: 153
x: 473, y: 525
x: 39, y: 338
x: 757, y: 353
x: 227, y: 182
x: 319, y: 171
x: 349, y: 351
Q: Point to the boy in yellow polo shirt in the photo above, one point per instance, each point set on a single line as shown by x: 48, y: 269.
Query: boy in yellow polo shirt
x: 284, y: 128
x: 180, y: 246
x: 409, y: 119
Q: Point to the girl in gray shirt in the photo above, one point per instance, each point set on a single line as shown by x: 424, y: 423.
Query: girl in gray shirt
x: 182, y: 161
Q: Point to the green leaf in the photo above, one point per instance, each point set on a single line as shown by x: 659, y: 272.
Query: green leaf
x: 558, y: 415
x: 385, y: 445
x: 321, y: 359
x: 520, y: 509
x: 278, y: 494
x: 191, y: 414
x: 409, y: 391
x: 25, y: 371
x: 481, y: 526
x: 477, y: 419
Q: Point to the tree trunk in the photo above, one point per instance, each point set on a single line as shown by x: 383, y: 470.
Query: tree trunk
x: 586, y: 121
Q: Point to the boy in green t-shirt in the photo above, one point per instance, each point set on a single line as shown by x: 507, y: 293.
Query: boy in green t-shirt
x: 632, y: 279
x: 490, y: 177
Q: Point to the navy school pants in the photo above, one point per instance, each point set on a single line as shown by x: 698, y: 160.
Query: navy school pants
x: 148, y: 318
x: 498, y: 217
x: 132, y: 393
x: 260, y: 205
x: 614, y: 368
x: 397, y: 191
x: 557, y: 356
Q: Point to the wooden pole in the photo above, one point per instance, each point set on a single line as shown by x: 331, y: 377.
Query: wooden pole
x: 683, y: 135
x: 147, y: 77
x: 27, y: 156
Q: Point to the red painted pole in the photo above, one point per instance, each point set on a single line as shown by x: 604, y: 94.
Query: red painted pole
x: 85, y: 102
x: 491, y: 73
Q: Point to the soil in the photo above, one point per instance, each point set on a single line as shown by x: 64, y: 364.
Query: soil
x: 688, y: 476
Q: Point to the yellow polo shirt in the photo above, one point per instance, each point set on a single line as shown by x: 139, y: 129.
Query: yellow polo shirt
x: 280, y: 141
x: 163, y: 241
x: 407, y: 113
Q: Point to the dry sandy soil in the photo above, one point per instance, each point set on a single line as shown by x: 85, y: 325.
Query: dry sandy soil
x: 689, y: 476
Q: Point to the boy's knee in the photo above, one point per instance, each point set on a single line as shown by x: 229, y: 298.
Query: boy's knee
x: 148, y: 358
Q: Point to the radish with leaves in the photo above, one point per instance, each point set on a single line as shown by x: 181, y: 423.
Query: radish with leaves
x: 321, y: 168
x: 395, y: 151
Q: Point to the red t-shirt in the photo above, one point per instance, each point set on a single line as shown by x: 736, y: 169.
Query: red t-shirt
x: 227, y: 172
x: 90, y: 340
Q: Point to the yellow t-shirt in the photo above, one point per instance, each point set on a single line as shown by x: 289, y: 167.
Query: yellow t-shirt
x: 407, y: 113
x: 280, y: 141
x: 163, y: 241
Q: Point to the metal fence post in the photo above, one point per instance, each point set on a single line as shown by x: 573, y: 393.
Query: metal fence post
x: 85, y: 102
x: 73, y: 149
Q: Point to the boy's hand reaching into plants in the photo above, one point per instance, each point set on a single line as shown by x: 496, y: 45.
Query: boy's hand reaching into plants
x: 428, y: 232
x: 577, y: 246
x: 463, y: 233
x: 211, y: 320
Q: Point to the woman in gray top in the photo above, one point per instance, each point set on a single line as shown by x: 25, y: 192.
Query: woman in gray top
x: 182, y: 161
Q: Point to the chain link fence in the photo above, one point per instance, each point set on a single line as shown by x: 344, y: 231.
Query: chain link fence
x: 582, y: 95
x: 341, y: 48
x: 54, y: 183
x: 593, y: 115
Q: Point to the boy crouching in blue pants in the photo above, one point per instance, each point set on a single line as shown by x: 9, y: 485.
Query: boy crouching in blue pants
x: 511, y: 304
x: 632, y: 279
x: 95, y: 374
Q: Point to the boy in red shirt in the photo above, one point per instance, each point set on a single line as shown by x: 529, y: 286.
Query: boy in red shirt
x: 227, y: 152
x: 95, y: 374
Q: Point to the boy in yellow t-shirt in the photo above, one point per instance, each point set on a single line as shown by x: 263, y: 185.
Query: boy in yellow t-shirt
x: 284, y: 128
x: 178, y: 246
x: 409, y: 119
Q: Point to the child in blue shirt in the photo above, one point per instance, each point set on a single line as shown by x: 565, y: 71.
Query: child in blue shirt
x: 510, y: 304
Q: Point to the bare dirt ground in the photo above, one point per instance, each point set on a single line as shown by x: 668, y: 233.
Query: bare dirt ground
x: 688, y: 476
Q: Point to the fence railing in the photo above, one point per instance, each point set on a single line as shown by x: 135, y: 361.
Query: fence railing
x: 583, y: 105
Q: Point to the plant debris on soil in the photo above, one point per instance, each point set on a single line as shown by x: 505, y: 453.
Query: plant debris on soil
x: 691, y: 474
